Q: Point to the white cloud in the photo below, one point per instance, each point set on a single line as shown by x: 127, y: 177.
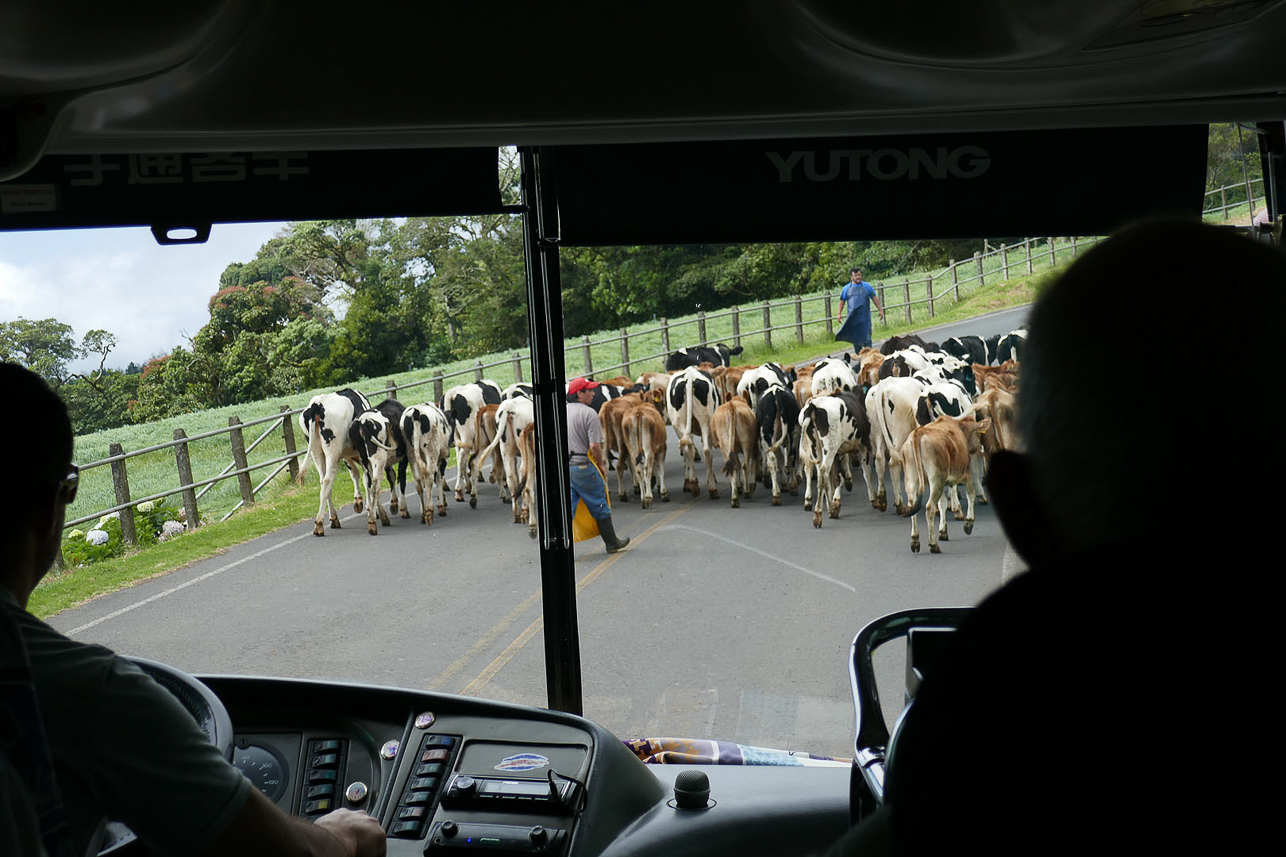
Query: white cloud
x: 122, y: 281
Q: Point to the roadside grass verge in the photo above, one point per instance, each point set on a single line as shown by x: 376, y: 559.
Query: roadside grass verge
x: 283, y: 506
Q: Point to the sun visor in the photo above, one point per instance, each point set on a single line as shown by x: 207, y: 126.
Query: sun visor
x: 1070, y: 182
x: 225, y: 187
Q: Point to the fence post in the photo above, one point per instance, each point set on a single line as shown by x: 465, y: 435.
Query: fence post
x: 184, y: 463
x: 977, y: 259
x: 477, y: 370
x: 955, y: 281
x: 390, y: 389
x: 120, y: 481
x: 906, y: 296
x: 799, y: 319
x: 589, y: 360
x: 1051, y: 251
x: 736, y: 327
x: 928, y: 291
x: 701, y: 327
x: 437, y: 387
x: 767, y: 325
x: 517, y: 368
x: 239, y: 459
x: 625, y: 350
x: 665, y: 336
x: 1004, y: 261
x: 288, y: 435
x: 830, y: 319
x: 1223, y: 202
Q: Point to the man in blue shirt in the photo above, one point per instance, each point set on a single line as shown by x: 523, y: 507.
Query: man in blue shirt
x: 855, y: 299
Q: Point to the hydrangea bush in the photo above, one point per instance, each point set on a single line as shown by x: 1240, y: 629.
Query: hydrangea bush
x: 104, y: 540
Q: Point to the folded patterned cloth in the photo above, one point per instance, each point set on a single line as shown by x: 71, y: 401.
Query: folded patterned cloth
x: 695, y: 751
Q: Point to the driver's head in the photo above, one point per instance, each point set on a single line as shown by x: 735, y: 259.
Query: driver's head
x: 39, y: 460
x: 1142, y: 390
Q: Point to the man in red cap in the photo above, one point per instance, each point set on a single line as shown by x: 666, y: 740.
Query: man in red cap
x: 585, y: 442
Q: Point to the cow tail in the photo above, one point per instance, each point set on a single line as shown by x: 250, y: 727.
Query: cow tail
x: 314, y: 452
x: 634, y: 437
x: 912, y: 475
x: 687, y: 431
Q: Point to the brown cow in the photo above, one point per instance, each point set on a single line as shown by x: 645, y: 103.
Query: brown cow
x: 998, y: 406
x: 935, y: 456
x: 733, y: 431
x: 645, y: 440
x: 484, y: 435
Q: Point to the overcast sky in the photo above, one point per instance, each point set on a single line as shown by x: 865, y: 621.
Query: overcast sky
x: 120, y: 280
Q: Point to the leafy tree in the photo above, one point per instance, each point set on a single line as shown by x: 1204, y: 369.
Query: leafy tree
x: 1232, y: 159
x: 45, y: 346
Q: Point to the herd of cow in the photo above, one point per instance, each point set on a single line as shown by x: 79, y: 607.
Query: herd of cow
x: 929, y: 415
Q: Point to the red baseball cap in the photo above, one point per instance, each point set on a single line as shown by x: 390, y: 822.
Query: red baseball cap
x: 578, y: 384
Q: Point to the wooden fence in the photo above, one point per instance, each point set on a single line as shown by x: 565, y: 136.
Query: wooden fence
x: 908, y: 297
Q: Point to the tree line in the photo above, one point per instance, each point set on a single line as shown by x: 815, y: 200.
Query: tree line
x: 327, y: 302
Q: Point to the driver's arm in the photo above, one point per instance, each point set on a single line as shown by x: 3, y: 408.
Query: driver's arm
x: 262, y: 828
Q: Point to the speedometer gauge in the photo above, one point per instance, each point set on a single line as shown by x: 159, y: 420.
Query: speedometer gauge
x: 263, y: 767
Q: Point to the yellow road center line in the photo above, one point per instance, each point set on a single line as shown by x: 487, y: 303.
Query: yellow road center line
x: 502, y: 659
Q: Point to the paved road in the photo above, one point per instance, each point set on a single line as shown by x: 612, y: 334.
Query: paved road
x: 717, y: 622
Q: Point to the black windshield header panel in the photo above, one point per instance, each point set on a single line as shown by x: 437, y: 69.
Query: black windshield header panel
x: 1070, y: 182
x: 230, y: 187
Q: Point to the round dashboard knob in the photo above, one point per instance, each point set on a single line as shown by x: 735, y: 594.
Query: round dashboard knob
x: 465, y: 786
x: 449, y: 828
x: 538, y: 835
x: 692, y: 790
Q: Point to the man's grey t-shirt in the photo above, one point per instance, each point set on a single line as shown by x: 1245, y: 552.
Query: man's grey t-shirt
x: 583, y: 428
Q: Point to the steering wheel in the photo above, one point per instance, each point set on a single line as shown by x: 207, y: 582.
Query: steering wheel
x: 872, y: 745
x: 206, y: 709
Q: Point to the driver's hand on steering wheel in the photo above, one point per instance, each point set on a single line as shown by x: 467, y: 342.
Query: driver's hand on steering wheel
x: 360, y: 833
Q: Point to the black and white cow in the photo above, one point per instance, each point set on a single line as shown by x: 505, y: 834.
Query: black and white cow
x: 969, y: 348
x: 325, y: 422
x: 755, y: 382
x: 690, y: 402
x: 777, y: 416
x: 427, y: 435
x: 694, y: 355
x: 460, y: 404
x: 835, y: 427
x: 371, y: 437
x: 392, y: 410
x: 1010, y: 345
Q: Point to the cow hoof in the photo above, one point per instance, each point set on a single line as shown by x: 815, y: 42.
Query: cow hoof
x: 817, y: 520
x: 714, y: 493
x: 665, y: 496
x: 531, y: 533
x: 835, y: 513
x: 442, y: 510
x: 334, y: 523
x: 968, y: 528
x: 392, y: 504
x: 982, y: 501
x: 647, y: 504
x: 736, y: 503
x: 943, y: 537
x: 318, y: 529
x: 776, y: 501
x: 473, y: 502
x: 406, y: 513
x: 959, y: 516
x: 637, y: 491
x: 373, y: 530
x: 358, y: 505
x: 934, y: 549
x: 915, y: 545
x: 459, y: 496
